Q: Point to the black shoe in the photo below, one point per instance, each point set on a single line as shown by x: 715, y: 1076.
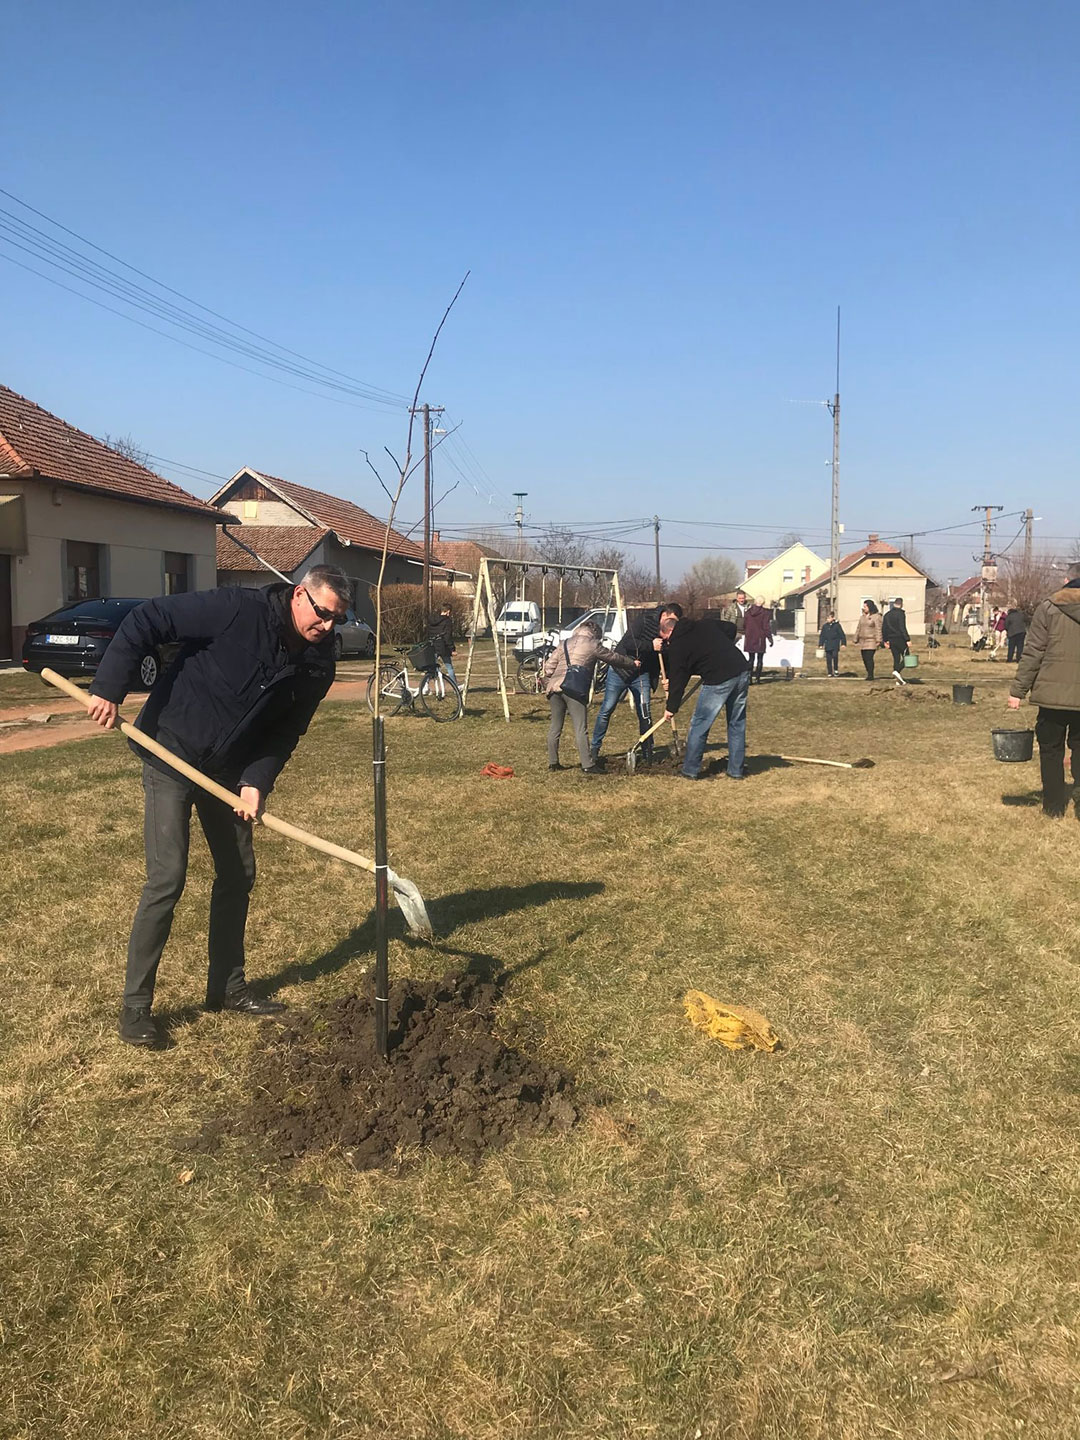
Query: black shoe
x: 684, y: 776
x: 245, y: 1002
x: 729, y: 776
x: 137, y: 1027
x: 556, y: 766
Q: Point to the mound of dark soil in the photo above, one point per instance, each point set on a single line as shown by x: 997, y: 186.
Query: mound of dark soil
x: 451, y: 1086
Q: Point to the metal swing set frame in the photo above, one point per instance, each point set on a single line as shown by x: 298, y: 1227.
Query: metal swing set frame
x: 485, y: 590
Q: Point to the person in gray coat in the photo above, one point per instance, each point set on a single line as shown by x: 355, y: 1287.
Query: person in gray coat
x: 1050, y: 672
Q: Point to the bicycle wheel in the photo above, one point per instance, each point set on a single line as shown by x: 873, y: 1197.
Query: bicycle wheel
x: 440, y: 697
x: 391, y: 684
x: 528, y: 675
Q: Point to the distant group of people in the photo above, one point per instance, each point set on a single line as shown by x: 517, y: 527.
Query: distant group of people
x: 1007, y: 629
x: 873, y: 632
x: 662, y: 647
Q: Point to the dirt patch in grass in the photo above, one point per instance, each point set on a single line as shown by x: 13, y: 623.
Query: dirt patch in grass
x: 452, y: 1085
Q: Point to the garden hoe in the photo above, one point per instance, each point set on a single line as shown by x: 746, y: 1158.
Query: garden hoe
x: 631, y: 754
x: 405, y: 892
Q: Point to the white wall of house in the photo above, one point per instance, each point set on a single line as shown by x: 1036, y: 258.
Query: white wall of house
x: 880, y: 586
x: 134, y: 539
x: 784, y: 573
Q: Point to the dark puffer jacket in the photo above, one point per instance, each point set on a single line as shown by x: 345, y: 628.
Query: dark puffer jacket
x: 1050, y: 669
x: 236, y: 700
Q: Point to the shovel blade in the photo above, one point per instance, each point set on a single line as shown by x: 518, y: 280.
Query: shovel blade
x: 411, y: 904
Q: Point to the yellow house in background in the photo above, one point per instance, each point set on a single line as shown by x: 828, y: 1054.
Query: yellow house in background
x: 771, y: 580
x: 877, y: 572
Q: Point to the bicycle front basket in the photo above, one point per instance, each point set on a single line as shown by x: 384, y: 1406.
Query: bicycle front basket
x: 423, y: 657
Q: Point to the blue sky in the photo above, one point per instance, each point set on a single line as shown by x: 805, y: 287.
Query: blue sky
x: 661, y: 207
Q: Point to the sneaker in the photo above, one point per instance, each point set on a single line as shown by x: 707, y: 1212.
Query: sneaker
x: 137, y: 1027
x: 684, y: 776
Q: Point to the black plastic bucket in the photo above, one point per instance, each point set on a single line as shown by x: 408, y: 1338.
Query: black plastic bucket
x: 1013, y: 745
x: 962, y: 694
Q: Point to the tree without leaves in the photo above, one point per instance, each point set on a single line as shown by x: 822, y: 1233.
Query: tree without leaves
x: 129, y: 448
x: 1024, y: 585
x: 712, y: 576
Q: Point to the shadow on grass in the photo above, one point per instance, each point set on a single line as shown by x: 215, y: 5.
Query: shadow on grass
x: 448, y: 913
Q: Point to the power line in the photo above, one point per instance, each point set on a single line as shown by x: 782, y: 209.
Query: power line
x: 30, y: 239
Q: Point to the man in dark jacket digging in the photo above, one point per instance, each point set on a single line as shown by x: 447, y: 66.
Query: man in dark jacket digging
x: 252, y: 668
x: 1050, y: 671
x: 636, y: 645
x: 707, y: 648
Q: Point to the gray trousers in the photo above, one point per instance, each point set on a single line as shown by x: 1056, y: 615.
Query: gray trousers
x: 561, y: 706
x: 169, y: 800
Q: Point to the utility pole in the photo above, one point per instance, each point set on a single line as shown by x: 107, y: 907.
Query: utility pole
x: 987, y: 562
x: 656, y: 547
x: 426, y: 412
x: 834, y: 530
x: 1029, y: 522
x: 519, y: 519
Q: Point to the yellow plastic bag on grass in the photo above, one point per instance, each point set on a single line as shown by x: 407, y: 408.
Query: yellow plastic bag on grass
x: 733, y: 1025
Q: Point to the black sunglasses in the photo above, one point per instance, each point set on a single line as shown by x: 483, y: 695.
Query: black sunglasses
x: 333, y: 615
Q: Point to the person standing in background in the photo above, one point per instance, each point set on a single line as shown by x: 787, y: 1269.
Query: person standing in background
x: 894, y: 634
x: 868, y: 636
x: 1015, y: 630
x: 831, y: 638
x: 757, y: 633
x: 1050, y: 671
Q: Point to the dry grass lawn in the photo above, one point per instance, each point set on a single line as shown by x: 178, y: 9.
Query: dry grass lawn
x: 873, y: 1233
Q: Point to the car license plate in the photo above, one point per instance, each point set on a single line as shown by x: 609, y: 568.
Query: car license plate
x: 62, y: 639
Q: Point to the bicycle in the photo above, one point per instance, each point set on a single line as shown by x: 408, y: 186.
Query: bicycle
x: 438, y: 695
x: 530, y: 669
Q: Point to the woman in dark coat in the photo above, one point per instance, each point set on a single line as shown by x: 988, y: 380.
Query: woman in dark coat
x: 757, y: 633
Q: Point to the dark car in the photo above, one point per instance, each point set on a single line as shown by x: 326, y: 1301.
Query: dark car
x: 72, y: 641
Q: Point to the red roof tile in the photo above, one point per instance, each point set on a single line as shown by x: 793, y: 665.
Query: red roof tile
x: 349, y: 523
x: 286, y: 547
x: 35, y: 444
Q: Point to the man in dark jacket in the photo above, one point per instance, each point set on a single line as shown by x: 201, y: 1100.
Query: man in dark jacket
x: 1050, y: 670
x: 441, y: 636
x: 252, y: 668
x: 636, y: 645
x: 707, y: 648
x: 1015, y: 630
x: 894, y: 634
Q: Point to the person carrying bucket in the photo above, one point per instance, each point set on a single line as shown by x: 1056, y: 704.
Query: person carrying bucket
x: 894, y: 634
x: 1050, y: 671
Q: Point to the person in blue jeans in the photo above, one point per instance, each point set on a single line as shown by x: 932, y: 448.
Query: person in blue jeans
x: 707, y: 648
x: 637, y: 646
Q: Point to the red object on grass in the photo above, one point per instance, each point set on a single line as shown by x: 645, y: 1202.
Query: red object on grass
x: 497, y: 772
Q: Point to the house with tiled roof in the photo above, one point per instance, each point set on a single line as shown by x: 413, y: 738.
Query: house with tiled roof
x: 877, y: 571
x: 80, y: 520
x: 769, y: 580
x: 293, y: 527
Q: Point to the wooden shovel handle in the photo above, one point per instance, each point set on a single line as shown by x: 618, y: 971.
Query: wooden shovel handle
x: 653, y: 728
x: 228, y: 797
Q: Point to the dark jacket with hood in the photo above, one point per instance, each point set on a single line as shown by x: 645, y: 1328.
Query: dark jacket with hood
x: 832, y: 635
x: 701, y: 647
x: 236, y: 699
x: 637, y: 644
x: 441, y: 635
x: 1050, y: 669
x: 894, y: 626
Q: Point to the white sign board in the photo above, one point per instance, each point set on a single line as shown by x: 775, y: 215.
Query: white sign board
x: 785, y: 653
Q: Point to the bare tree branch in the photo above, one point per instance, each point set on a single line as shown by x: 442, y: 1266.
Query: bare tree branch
x: 378, y: 477
x: 404, y: 470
